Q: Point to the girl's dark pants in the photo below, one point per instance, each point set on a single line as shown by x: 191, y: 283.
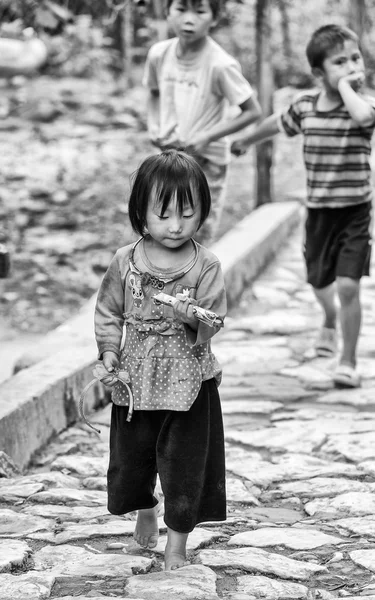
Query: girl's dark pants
x: 185, y: 448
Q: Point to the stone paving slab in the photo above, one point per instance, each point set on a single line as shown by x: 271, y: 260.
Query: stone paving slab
x: 189, y: 583
x: 27, y: 586
x: 14, y: 524
x: 300, y: 478
x: 259, y: 586
x: 74, y: 561
x: 96, y: 598
x: 255, y: 560
x: 72, y: 533
x: 298, y: 538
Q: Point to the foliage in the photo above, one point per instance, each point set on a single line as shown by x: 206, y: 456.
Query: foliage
x: 47, y: 13
x: 290, y: 68
x: 82, y: 50
x: 292, y: 24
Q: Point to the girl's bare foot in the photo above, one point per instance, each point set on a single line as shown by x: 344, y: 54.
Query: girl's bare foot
x: 175, y: 550
x: 146, y: 532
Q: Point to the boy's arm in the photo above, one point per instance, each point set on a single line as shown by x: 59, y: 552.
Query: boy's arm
x: 153, y: 116
x: 250, y: 112
x: 360, y: 110
x: 266, y: 129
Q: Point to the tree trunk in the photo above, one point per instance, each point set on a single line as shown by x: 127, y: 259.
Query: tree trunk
x: 128, y: 42
x: 265, y: 86
x: 357, y: 16
x: 285, y: 29
x: 359, y: 22
x: 160, y: 22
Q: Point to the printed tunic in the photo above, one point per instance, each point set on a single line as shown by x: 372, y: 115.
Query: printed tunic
x: 165, y: 360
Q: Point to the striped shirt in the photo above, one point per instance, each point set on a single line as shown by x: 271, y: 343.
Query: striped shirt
x: 336, y: 152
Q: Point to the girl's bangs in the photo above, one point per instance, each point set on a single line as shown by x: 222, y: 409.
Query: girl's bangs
x: 177, y: 184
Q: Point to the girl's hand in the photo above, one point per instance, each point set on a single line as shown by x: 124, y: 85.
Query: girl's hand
x: 110, y: 362
x: 183, y: 311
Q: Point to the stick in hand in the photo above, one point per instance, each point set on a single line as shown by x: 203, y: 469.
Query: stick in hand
x: 206, y: 316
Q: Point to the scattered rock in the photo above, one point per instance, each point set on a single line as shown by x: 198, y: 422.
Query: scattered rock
x: 13, y: 553
x: 7, y: 466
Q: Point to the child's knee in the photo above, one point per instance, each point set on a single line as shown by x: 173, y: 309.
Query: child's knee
x: 347, y: 288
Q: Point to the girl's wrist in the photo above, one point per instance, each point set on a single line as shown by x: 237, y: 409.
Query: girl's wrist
x: 108, y: 353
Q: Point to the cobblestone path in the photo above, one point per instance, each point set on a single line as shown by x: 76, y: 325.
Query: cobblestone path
x: 300, y: 478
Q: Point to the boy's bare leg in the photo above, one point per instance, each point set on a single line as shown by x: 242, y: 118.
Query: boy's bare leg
x: 175, y: 550
x: 350, y: 318
x: 326, y: 299
x: 146, y: 532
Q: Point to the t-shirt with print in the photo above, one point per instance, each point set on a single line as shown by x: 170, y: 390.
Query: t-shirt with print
x: 194, y: 94
x: 336, y: 152
x: 165, y: 360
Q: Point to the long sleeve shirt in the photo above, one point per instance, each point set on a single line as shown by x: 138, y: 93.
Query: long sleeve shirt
x: 165, y: 359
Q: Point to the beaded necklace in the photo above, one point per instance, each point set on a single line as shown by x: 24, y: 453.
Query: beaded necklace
x: 159, y: 282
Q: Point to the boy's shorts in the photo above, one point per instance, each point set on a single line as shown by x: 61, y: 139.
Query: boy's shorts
x: 337, y: 243
x: 217, y: 179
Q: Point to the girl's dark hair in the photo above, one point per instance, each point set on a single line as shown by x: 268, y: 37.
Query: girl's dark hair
x: 215, y: 5
x: 164, y: 175
x: 324, y: 40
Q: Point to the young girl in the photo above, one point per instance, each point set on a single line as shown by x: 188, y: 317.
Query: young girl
x: 168, y: 373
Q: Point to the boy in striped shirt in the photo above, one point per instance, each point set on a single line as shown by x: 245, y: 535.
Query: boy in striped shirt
x: 337, y: 123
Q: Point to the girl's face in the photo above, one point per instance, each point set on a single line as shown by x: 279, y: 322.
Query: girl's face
x: 172, y: 229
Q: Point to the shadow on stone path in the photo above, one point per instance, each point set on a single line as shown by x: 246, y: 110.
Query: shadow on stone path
x: 300, y: 478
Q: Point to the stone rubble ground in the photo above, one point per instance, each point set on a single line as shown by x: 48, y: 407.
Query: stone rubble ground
x: 300, y: 478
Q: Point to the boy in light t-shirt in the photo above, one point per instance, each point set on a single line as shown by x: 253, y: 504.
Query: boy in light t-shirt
x: 191, y: 81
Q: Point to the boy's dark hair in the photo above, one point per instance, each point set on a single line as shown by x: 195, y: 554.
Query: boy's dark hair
x: 324, y: 40
x: 164, y: 175
x: 215, y: 5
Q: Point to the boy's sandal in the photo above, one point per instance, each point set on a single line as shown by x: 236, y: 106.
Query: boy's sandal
x: 326, y: 344
x: 346, y: 376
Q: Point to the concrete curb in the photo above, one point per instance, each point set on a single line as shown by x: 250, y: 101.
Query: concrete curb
x: 76, y: 331
x: 41, y: 400
x: 249, y: 246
